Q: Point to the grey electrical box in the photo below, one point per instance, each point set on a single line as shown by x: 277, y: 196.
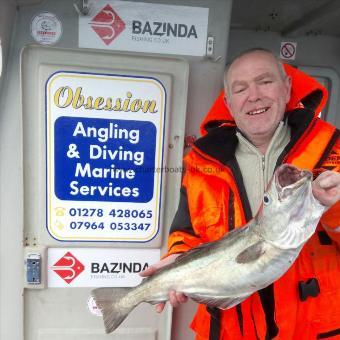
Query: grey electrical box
x: 33, y: 269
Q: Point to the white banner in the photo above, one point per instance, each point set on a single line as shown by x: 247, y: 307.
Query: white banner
x: 145, y: 27
x: 98, y: 267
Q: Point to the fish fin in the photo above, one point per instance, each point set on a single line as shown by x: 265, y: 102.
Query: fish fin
x: 108, y: 301
x: 251, y: 253
x: 191, y: 252
x: 222, y: 302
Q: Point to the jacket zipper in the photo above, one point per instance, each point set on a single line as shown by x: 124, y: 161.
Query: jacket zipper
x: 263, y: 164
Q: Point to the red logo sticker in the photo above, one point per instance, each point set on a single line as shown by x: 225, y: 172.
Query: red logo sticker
x: 107, y: 24
x: 68, y: 267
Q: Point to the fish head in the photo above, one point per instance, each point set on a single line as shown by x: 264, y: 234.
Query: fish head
x: 289, y: 213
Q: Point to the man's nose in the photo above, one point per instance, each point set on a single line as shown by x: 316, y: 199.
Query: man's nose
x: 254, y: 93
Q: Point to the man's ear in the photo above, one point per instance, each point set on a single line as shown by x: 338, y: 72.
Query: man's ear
x: 226, y: 102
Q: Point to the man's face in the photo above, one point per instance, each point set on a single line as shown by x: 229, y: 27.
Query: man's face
x: 257, y: 94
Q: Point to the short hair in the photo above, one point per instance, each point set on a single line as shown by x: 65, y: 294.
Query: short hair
x: 249, y: 51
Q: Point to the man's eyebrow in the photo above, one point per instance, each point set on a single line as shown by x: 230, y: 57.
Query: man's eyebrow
x: 238, y: 83
x: 264, y: 75
x: 257, y: 78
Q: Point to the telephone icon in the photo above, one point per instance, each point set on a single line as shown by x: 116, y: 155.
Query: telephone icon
x: 59, y: 211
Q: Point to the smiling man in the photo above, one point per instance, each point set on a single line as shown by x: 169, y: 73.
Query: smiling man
x: 270, y: 118
x: 257, y: 91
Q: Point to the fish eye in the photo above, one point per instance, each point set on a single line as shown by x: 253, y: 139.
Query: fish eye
x: 266, y: 199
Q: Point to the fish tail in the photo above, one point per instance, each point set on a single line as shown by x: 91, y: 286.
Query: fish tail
x: 108, y: 300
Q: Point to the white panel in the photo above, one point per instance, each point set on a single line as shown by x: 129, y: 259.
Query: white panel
x: 64, y: 311
x: 98, y: 267
x: 35, y: 73
x: 144, y: 27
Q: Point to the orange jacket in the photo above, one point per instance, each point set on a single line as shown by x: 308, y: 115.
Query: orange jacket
x: 305, y: 302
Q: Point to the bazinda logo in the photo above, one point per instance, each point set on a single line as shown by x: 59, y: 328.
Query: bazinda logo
x: 161, y: 29
x: 68, y: 267
x: 107, y: 24
x: 118, y: 267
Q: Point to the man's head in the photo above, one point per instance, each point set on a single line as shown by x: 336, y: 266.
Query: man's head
x: 257, y: 91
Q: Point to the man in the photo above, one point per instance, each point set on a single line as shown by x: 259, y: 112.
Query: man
x: 273, y: 121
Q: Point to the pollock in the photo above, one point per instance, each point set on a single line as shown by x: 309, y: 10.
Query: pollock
x: 224, y: 273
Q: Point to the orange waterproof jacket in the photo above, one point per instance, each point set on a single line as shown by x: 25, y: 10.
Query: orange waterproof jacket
x: 305, y: 302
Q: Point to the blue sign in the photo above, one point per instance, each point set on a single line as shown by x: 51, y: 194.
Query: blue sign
x: 104, y: 159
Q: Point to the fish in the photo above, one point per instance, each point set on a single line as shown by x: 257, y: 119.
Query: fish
x: 225, y: 272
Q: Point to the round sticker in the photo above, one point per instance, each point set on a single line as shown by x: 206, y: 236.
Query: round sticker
x: 46, y: 28
x: 93, y: 307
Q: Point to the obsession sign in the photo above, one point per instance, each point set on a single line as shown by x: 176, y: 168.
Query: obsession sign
x: 104, y: 141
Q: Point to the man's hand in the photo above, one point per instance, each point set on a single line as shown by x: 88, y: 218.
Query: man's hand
x: 326, y: 188
x: 175, y: 298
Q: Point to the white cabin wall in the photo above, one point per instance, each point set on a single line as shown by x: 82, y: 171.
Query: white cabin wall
x: 315, y: 51
x: 204, y: 86
x: 9, y: 265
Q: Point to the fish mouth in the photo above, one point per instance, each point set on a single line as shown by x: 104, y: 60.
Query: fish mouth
x: 289, y: 178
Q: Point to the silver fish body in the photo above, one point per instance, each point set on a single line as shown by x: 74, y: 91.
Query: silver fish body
x: 224, y: 273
